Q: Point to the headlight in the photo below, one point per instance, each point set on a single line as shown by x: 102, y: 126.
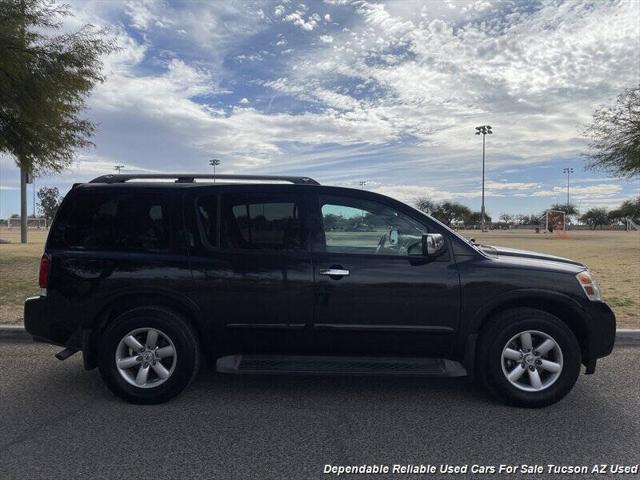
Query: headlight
x: 589, y: 286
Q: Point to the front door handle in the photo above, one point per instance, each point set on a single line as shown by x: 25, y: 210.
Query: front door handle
x: 334, y: 272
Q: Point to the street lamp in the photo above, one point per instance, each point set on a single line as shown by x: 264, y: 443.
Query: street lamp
x: 483, y: 130
x: 363, y: 183
x: 568, y: 171
x: 117, y: 168
x: 214, y: 162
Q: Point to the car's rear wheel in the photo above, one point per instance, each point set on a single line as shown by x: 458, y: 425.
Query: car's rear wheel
x: 148, y: 355
x: 528, y: 357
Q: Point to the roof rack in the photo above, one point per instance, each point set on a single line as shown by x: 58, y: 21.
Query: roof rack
x: 191, y: 177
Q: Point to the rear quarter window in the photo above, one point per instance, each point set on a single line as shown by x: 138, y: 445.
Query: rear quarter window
x: 113, y: 221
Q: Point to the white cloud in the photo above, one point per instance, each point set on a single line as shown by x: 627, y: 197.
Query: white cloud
x: 536, y: 74
x: 205, y: 24
x: 409, y: 193
x: 601, y: 191
x: 297, y: 18
x: 491, y: 185
x: 394, y: 99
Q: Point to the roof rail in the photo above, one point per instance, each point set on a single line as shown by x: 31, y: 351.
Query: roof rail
x: 191, y: 177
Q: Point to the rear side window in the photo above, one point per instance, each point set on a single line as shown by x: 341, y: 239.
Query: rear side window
x: 258, y: 222
x: 108, y: 221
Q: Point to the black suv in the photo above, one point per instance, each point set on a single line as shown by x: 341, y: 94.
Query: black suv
x: 145, y: 274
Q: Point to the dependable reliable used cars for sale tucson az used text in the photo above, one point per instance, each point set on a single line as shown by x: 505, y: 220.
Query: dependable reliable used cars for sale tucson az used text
x: 147, y: 274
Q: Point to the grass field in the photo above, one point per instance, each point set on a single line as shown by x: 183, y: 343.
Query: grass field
x: 614, y: 258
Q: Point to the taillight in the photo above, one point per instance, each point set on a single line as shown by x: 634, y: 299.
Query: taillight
x: 43, y: 278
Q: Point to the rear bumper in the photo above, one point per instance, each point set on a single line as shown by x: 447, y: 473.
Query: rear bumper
x: 601, y: 331
x: 44, y: 325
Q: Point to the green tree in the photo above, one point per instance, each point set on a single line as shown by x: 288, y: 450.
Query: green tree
x: 628, y: 209
x: 475, y: 219
x: 524, y: 219
x: 332, y: 221
x: 507, y: 218
x: 595, y: 217
x: 48, y: 202
x: 569, y: 210
x: 451, y: 212
x: 426, y: 205
x: 44, y: 80
x: 614, y: 136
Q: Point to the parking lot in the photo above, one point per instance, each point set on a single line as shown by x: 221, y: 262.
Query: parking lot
x: 59, y: 421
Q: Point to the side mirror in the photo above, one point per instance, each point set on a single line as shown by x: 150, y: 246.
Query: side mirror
x: 432, y: 244
x: 393, y: 236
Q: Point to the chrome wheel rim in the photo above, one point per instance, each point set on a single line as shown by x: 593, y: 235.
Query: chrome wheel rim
x: 146, y: 357
x: 532, y: 361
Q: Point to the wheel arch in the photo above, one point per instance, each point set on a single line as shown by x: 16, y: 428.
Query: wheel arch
x: 565, y: 308
x: 118, y: 304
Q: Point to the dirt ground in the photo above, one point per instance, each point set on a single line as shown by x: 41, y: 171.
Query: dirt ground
x: 614, y: 258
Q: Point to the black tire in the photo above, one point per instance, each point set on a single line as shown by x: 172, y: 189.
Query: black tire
x: 170, y: 323
x: 495, y: 336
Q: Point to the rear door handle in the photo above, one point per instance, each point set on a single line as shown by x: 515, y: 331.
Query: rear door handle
x: 334, y: 272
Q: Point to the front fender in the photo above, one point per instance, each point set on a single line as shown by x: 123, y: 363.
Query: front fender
x: 561, y: 305
x: 529, y: 297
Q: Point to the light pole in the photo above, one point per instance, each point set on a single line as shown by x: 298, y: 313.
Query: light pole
x: 568, y: 171
x: 214, y: 162
x: 363, y: 183
x: 117, y: 168
x: 484, y: 130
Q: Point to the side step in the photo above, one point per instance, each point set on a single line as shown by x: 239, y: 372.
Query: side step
x: 321, y: 365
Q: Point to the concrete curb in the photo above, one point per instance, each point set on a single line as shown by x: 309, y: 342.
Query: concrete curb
x: 625, y: 336
x: 628, y: 336
x: 14, y: 332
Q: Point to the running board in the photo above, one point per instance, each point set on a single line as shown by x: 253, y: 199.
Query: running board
x: 321, y: 365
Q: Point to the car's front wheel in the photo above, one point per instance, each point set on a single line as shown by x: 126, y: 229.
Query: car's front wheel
x: 148, y: 355
x: 528, y: 357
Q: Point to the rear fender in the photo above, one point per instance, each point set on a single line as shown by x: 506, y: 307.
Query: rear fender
x: 118, y: 304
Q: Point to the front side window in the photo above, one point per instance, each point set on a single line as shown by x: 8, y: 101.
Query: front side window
x: 364, y: 227
x: 108, y: 221
x: 262, y: 223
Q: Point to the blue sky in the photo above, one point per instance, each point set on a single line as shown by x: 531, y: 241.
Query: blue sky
x: 346, y: 91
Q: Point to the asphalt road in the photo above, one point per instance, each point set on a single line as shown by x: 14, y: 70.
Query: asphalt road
x: 58, y: 421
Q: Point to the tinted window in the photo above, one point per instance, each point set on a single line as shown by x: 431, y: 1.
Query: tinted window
x: 257, y: 222
x: 360, y: 226
x: 208, y: 214
x: 108, y: 221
